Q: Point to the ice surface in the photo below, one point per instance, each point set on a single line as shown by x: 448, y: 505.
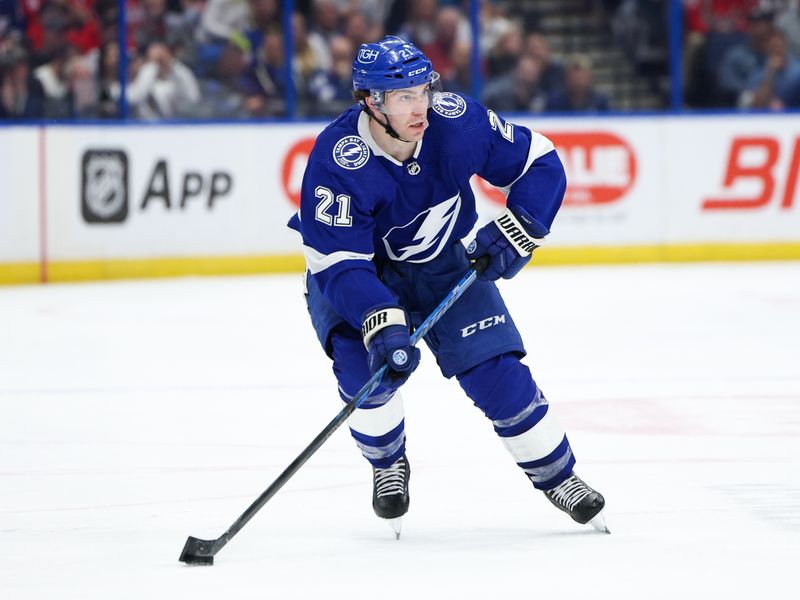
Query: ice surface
x: 134, y: 414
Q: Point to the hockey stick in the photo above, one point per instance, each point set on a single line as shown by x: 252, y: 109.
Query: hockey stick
x: 201, y: 552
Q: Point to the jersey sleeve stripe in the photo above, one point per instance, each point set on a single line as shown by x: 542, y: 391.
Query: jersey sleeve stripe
x: 540, y: 145
x: 316, y: 261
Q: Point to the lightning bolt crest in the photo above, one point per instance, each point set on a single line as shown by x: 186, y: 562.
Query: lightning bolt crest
x: 437, y: 224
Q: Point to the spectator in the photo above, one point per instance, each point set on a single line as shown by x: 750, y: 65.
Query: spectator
x: 451, y: 28
x: 264, y: 16
x: 54, y: 78
x: 107, y: 81
x: 220, y: 20
x: 493, y: 25
x: 326, y: 20
x: 420, y: 28
x: 21, y: 95
x: 332, y: 90
x: 223, y: 94
x: 788, y: 21
x: 743, y: 60
x: 223, y: 18
x: 47, y: 32
x: 376, y: 11
x: 503, y: 57
x: 163, y: 87
x: 459, y: 79
x: 265, y: 81
x: 553, y: 73
x: 360, y: 30
x: 773, y: 86
x: 311, y: 45
x: 578, y: 93
x: 306, y: 59
x: 76, y: 19
x: 304, y: 62
x: 11, y: 17
x: 517, y: 91
x: 153, y: 26
x: 705, y: 16
x: 182, y: 27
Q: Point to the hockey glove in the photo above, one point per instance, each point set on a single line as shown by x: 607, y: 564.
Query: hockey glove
x: 386, y: 335
x: 508, y: 241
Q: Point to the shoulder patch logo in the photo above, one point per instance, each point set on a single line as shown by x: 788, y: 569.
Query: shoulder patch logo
x: 449, y: 105
x: 351, y: 152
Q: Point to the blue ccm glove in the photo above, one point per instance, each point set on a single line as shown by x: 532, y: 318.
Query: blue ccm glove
x: 508, y: 241
x: 386, y: 335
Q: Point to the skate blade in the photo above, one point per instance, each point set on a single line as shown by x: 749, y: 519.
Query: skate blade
x: 396, y: 525
x: 599, y: 523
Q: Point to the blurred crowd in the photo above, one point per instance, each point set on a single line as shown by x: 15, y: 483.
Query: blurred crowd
x: 742, y: 54
x: 224, y: 59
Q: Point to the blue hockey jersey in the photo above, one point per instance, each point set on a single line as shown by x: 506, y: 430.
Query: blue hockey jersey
x: 360, y: 206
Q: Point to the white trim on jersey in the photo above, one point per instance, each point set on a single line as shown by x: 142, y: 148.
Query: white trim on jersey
x: 378, y: 421
x: 539, y: 441
x: 317, y: 262
x: 540, y: 145
x: 366, y: 135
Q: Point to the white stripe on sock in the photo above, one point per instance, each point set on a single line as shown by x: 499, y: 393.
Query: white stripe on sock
x: 539, y: 441
x: 378, y: 421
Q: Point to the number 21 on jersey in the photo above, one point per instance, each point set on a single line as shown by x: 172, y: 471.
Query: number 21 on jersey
x: 342, y: 218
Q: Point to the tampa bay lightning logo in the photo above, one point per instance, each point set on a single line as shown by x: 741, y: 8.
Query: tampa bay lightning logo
x: 351, y: 152
x: 400, y: 357
x: 449, y: 105
x: 422, y: 238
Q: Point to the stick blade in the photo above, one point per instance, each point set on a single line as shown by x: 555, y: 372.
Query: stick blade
x: 198, y: 552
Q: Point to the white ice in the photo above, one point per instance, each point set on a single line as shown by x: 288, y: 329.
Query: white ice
x: 134, y: 414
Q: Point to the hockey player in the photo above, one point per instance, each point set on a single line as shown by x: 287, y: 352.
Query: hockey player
x: 385, y: 203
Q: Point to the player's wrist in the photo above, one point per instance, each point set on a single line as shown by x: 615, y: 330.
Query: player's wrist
x: 522, y: 231
x: 379, y: 318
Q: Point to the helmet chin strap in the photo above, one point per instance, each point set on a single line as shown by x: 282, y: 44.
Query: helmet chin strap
x: 387, y: 127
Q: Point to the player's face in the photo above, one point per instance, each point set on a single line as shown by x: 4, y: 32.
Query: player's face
x: 407, y: 110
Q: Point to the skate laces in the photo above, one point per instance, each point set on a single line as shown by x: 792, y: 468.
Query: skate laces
x: 570, y: 492
x: 391, y: 480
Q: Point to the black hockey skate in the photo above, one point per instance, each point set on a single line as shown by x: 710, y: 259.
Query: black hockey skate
x: 390, y: 492
x: 579, y: 501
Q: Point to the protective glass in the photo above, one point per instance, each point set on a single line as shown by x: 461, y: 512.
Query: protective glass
x: 407, y: 100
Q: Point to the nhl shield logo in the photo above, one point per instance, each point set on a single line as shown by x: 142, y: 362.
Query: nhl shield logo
x: 351, y: 152
x: 104, y: 186
x: 449, y: 105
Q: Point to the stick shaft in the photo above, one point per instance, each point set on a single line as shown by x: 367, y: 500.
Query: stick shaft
x: 340, y: 418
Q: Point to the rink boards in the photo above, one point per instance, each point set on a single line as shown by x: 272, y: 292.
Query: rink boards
x: 94, y: 202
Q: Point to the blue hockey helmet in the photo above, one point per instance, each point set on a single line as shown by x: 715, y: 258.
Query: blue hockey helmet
x: 391, y: 64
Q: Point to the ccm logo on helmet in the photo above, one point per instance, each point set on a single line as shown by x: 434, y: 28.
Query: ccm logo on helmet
x: 417, y: 71
x: 366, y: 56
